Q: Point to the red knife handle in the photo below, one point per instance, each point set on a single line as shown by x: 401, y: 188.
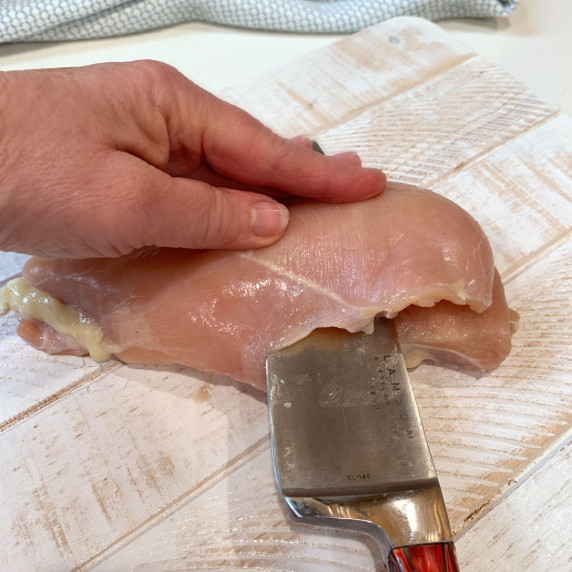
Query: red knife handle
x: 424, y: 558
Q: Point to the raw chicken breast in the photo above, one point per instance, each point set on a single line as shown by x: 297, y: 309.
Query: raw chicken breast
x: 457, y: 336
x: 337, y: 265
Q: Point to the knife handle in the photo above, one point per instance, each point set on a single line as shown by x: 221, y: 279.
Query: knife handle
x: 439, y: 557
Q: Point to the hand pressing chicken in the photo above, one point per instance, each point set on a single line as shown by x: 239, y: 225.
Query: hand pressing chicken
x: 104, y: 160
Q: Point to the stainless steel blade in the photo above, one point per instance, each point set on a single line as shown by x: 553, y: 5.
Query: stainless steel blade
x: 343, y: 416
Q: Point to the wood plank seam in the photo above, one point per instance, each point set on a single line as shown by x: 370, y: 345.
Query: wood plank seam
x: 198, y: 489
x: 462, y: 60
x: 531, y: 259
x: 49, y: 401
x: 480, y: 157
x: 547, y: 453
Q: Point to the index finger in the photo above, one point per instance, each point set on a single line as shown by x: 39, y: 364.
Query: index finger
x: 240, y: 147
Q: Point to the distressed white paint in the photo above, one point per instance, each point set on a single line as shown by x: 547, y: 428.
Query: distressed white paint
x: 118, y: 468
x: 530, y: 529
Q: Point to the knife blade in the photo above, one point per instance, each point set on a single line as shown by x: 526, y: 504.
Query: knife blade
x: 349, y: 449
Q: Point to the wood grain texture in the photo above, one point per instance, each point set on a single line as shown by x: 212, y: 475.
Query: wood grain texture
x: 485, y: 432
x: 109, y: 467
x: 524, y: 184
x: 317, y: 91
x: 537, y: 503
x: 31, y: 380
x: 131, y: 443
x: 439, y: 126
x: 229, y: 528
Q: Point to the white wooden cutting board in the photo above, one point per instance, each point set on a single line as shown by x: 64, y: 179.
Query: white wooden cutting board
x: 112, y: 467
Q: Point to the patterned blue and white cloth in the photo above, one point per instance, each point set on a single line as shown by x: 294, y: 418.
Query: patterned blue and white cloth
x: 47, y: 20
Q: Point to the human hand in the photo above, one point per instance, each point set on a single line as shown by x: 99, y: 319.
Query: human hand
x: 103, y: 160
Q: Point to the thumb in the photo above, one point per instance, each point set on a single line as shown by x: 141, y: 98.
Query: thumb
x: 194, y: 214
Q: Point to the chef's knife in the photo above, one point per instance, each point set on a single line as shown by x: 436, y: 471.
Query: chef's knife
x: 349, y: 448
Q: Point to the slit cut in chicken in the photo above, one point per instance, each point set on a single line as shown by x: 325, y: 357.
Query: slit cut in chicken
x: 409, y: 254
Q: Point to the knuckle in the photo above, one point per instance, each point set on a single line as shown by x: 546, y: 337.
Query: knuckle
x: 216, y: 219
x: 151, y: 78
x: 153, y: 70
x: 211, y: 218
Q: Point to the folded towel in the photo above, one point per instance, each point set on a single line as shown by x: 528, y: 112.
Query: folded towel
x: 46, y: 20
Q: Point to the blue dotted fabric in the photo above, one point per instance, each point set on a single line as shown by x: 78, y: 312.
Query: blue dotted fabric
x: 47, y: 20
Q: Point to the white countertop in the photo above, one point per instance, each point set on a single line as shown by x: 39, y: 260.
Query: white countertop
x: 534, y: 44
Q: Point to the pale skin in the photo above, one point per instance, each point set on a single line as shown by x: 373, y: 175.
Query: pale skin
x: 103, y: 160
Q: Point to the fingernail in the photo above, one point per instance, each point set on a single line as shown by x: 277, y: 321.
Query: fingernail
x: 374, y: 180
x: 268, y: 219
